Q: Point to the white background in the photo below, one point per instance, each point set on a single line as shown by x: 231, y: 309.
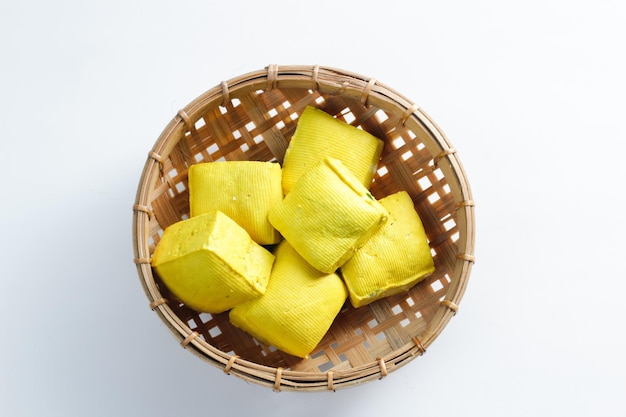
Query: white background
x: 532, y: 95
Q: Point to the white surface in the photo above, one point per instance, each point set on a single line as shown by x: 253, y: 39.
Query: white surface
x: 531, y: 94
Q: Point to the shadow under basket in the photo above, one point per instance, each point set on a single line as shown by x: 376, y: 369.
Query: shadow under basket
x: 252, y: 117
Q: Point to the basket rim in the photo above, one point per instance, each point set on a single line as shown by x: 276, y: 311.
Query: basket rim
x: 328, y: 80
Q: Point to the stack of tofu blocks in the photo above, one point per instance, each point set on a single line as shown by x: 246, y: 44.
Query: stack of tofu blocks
x: 281, y: 247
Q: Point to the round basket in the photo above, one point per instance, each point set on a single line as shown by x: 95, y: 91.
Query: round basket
x: 252, y: 117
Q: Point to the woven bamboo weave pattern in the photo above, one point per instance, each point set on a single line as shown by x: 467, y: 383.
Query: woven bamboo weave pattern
x: 252, y: 117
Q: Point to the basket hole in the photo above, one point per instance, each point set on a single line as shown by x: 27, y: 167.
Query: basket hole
x: 438, y: 174
x: 258, y: 139
x: 420, y: 146
x: 398, y: 143
x: 447, y: 277
x: 272, y: 112
x: 418, y: 314
x: 286, y: 104
x: 215, y: 331
x: 449, y: 225
x: 293, y: 116
x: 381, y: 116
x: 436, y: 285
x: 198, y: 157
x: 335, y: 345
x: 343, y: 357
x: 319, y: 100
x: 236, y: 134
x: 173, y: 173
x: 407, y: 155
x: 434, y: 197
x: 235, y: 102
x: 212, y: 149
x: 192, y: 323
x: 180, y: 187
x: 348, y: 117
x: 405, y: 322
x: 199, y: 123
x: 358, y: 331
x: 410, y: 302
x: 318, y: 354
x: 372, y: 323
x: 325, y: 367
x: 381, y: 336
x: 382, y: 171
x: 250, y: 126
x: 244, y: 147
x: 424, y: 183
x: 280, y: 124
x: 222, y: 109
x: 455, y: 237
x: 205, y: 317
x: 396, y: 309
x: 366, y: 344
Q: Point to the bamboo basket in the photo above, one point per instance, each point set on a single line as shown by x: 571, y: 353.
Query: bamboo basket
x: 252, y: 117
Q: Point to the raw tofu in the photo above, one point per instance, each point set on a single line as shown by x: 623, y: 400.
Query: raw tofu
x: 394, y: 259
x: 211, y: 264
x: 327, y: 215
x: 243, y: 190
x: 298, y: 307
x: 317, y: 135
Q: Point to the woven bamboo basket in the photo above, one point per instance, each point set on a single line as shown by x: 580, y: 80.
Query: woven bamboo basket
x: 252, y: 117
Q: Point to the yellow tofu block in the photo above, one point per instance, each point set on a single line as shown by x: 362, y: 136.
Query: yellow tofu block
x: 317, y: 135
x: 298, y: 307
x: 243, y: 190
x: 210, y: 263
x: 395, y: 258
x: 327, y: 215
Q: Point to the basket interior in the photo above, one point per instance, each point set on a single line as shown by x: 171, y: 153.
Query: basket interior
x: 255, y: 123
